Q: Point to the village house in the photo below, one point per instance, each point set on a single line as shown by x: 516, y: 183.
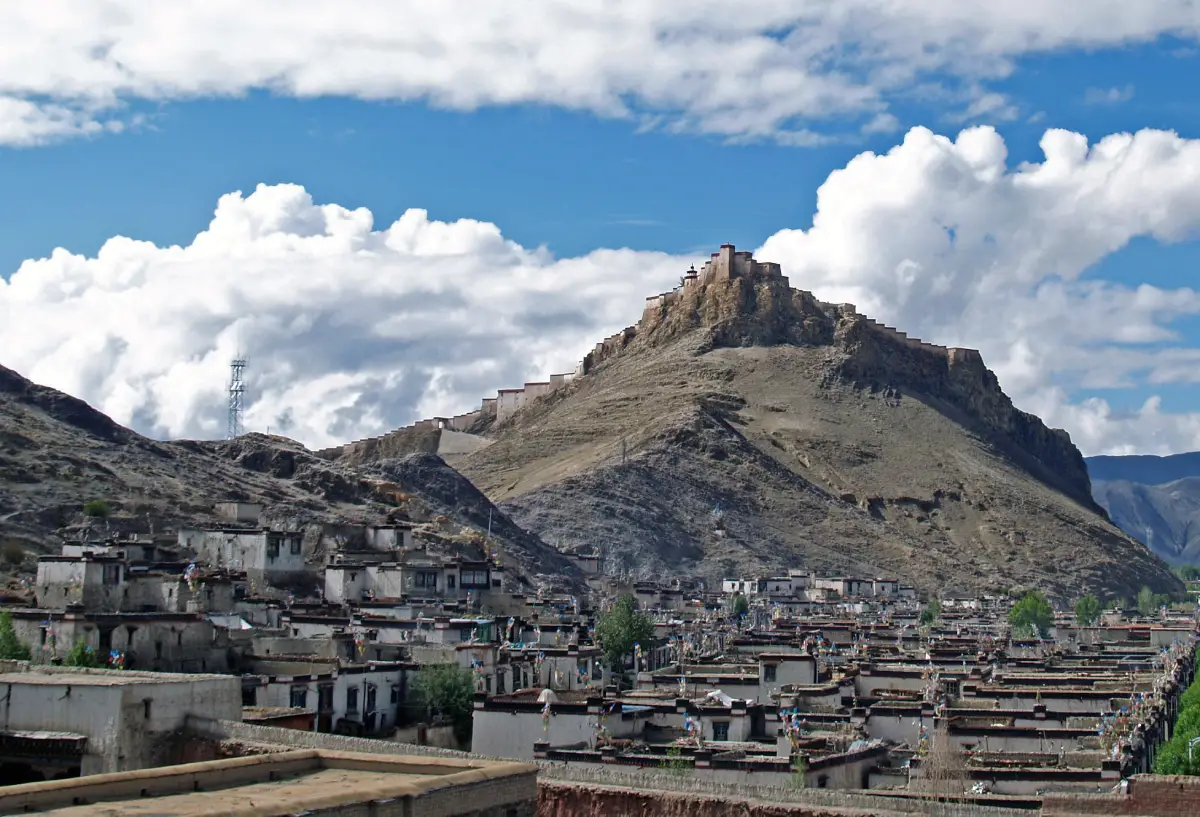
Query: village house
x: 74, y: 722
x: 267, y: 557
x: 417, y: 576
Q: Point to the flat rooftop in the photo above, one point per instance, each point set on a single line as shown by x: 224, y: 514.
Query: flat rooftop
x: 282, y: 783
x: 281, y: 794
x: 58, y: 676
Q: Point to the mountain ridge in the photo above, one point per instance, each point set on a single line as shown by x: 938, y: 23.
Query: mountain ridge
x: 1155, y: 499
x: 57, y: 453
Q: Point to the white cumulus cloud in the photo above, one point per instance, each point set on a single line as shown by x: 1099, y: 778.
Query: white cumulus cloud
x: 354, y: 329
x: 744, y: 69
x: 941, y: 238
x: 350, y: 330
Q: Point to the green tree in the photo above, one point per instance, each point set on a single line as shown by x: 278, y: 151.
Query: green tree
x: 449, y: 691
x: 1032, y: 613
x: 1087, y: 610
x: 623, y: 627
x: 1189, y: 573
x: 1172, y: 756
x: 931, y: 613
x: 97, y: 509
x: 11, y: 648
x: 83, y: 655
x: 1148, y: 601
x: 741, y: 605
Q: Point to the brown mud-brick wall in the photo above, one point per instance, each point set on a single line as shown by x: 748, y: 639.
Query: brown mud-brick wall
x: 557, y: 799
x: 1148, y: 796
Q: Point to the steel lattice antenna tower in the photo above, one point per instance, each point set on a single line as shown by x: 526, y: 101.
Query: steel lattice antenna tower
x: 237, y: 388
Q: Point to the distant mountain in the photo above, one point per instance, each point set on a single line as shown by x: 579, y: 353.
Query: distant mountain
x: 1144, y: 469
x: 1154, y: 499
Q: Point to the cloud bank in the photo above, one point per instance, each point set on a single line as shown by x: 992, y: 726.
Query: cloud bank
x: 747, y: 69
x: 353, y: 330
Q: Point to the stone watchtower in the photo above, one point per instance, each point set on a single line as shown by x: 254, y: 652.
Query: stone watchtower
x: 727, y: 263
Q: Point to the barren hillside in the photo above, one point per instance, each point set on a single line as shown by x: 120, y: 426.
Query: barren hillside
x: 745, y: 427
x: 57, y: 453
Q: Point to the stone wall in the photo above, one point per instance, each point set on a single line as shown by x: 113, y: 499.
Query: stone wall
x: 586, y: 799
x: 578, y: 800
x: 698, y: 790
x: 1157, y: 795
x: 249, y: 733
x: 425, y: 435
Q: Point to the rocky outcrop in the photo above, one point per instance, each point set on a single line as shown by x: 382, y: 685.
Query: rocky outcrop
x: 877, y: 359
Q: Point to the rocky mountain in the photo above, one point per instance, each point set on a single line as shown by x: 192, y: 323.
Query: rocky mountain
x: 1156, y: 500
x: 57, y: 453
x: 743, y: 426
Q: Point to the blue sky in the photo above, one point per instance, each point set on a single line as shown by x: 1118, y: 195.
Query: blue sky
x: 550, y: 169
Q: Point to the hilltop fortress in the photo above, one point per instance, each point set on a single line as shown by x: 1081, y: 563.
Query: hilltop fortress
x: 725, y: 268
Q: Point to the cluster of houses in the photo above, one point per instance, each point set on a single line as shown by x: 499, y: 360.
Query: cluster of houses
x: 840, y: 683
x: 822, y: 682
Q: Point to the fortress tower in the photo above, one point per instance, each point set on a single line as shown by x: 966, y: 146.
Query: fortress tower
x: 727, y: 263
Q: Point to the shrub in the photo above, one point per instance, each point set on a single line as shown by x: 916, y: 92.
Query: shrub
x: 11, y: 648
x: 82, y: 655
x: 97, y: 509
x: 11, y: 552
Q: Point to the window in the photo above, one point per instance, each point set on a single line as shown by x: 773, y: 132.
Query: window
x: 146, y: 708
x: 272, y: 547
x: 296, y: 543
x: 426, y: 578
x: 499, y: 683
x: 300, y: 697
x: 112, y: 574
x: 450, y: 581
x: 325, y: 697
x: 249, y: 696
x: 352, y: 700
x: 721, y: 730
x: 769, y: 673
x: 474, y: 578
x: 496, y: 583
x: 395, y: 694
x: 158, y: 649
